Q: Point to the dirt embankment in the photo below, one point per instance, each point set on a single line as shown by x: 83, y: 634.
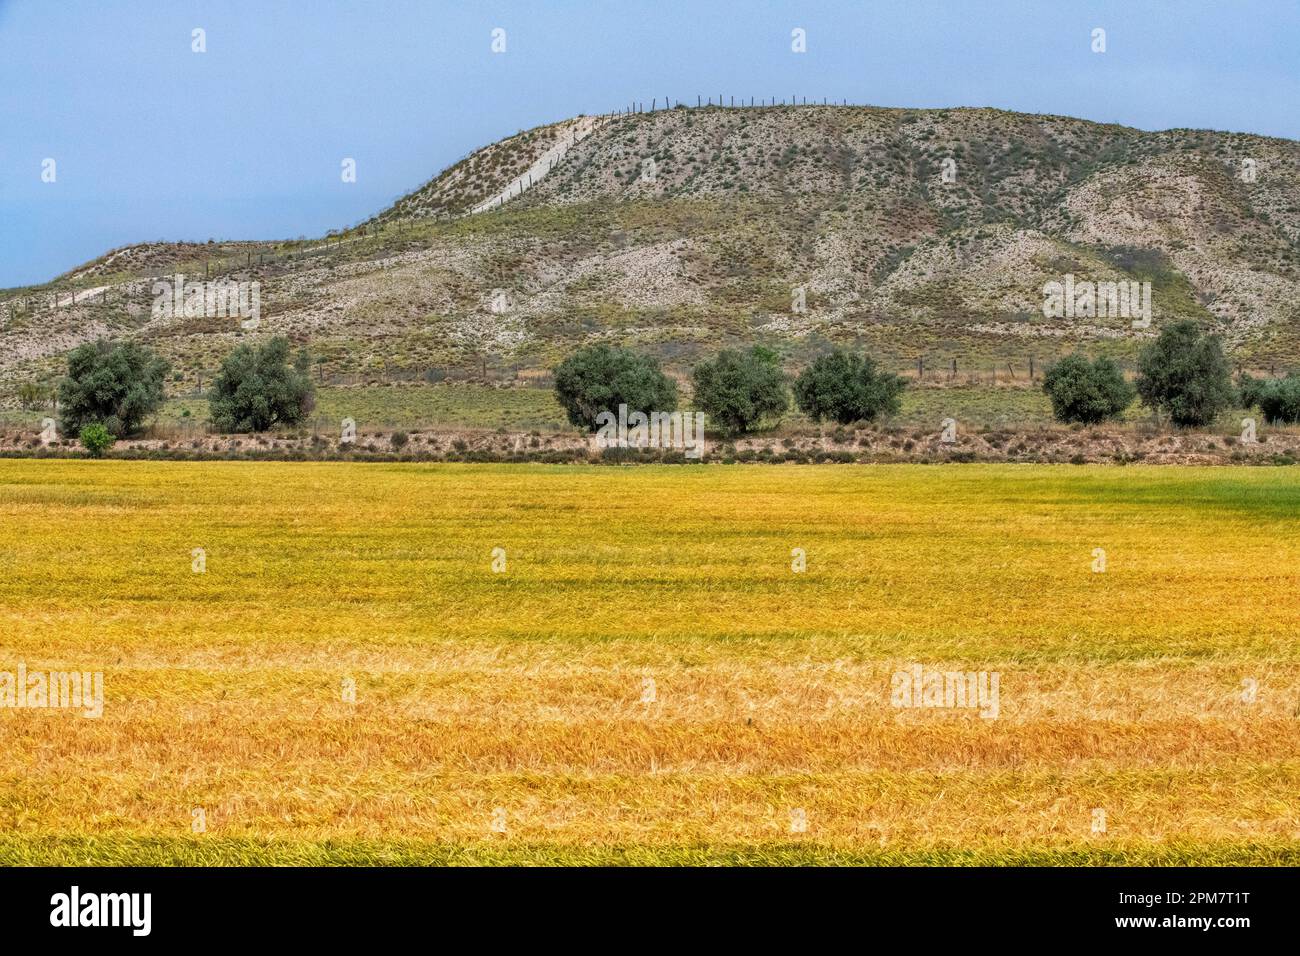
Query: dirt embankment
x: 1100, y: 445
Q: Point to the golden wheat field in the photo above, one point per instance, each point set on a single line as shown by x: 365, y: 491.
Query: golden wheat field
x: 350, y: 671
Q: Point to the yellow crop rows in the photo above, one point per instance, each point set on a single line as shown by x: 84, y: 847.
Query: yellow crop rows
x: 407, y: 663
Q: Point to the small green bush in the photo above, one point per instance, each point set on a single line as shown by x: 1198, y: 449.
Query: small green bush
x: 96, y: 439
x: 1249, y: 390
x: 1279, y: 400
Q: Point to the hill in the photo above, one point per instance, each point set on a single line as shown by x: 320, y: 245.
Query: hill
x: 919, y: 234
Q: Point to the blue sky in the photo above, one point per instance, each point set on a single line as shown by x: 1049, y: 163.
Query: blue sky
x: 153, y: 141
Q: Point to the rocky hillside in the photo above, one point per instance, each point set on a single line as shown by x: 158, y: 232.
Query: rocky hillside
x: 919, y: 234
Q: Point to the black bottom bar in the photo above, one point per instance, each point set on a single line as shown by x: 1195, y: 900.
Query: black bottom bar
x: 929, y: 906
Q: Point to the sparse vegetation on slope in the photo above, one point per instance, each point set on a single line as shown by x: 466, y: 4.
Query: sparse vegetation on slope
x: 799, y: 228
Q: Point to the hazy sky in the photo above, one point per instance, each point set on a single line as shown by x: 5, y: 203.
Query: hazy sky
x: 154, y: 141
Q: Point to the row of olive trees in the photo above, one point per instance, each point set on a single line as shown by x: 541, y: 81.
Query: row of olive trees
x: 1183, y: 375
x: 111, y: 389
x: 739, y: 391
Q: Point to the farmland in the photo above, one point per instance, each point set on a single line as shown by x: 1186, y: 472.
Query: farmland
x: 640, y: 674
